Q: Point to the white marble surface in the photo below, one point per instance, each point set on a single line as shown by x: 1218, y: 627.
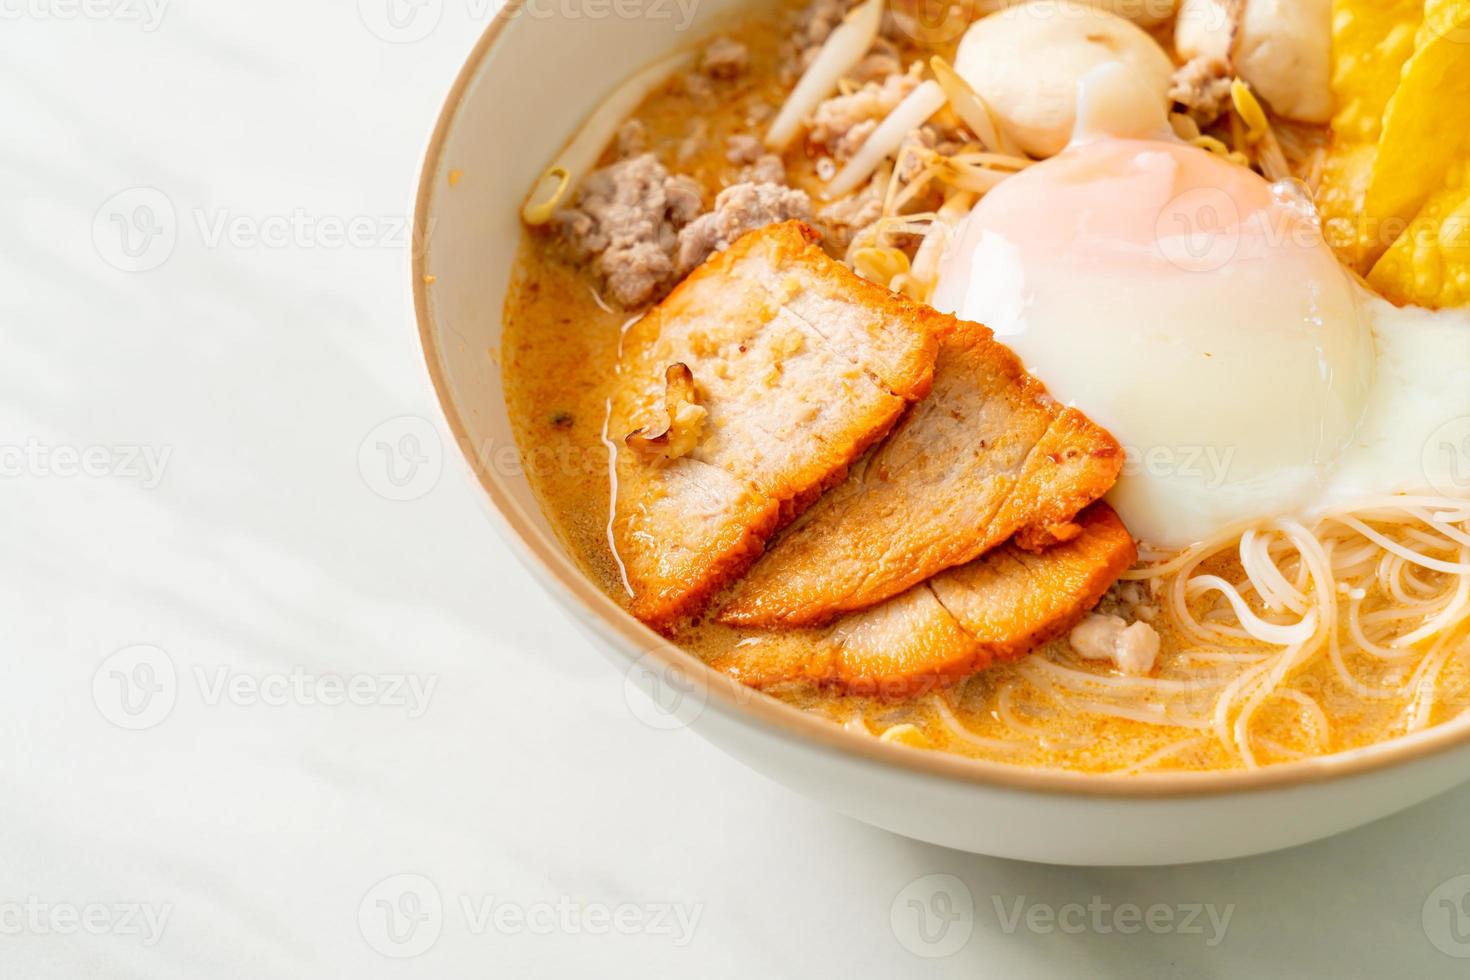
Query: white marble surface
x: 252, y: 364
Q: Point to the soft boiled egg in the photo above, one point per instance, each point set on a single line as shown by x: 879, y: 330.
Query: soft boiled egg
x: 1193, y: 309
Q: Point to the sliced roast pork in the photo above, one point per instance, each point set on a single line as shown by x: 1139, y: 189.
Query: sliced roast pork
x: 742, y: 397
x: 988, y: 457
x: 995, y: 609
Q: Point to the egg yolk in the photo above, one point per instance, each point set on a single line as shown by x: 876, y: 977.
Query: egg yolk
x: 1186, y: 304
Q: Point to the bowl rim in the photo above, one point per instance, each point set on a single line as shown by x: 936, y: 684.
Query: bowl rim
x: 777, y: 717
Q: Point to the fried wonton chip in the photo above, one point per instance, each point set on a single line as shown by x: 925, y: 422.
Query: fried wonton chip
x: 1426, y: 127
x: 1429, y: 265
x: 1371, y: 41
x: 1345, y: 176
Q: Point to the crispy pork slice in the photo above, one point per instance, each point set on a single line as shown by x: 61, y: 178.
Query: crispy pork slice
x: 988, y: 457
x: 995, y: 609
x: 740, y: 399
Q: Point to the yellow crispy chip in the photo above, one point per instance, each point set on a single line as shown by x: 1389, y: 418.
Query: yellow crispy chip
x: 1444, y: 18
x: 1425, y: 125
x: 1371, y: 40
x: 1345, y: 176
x: 1429, y: 265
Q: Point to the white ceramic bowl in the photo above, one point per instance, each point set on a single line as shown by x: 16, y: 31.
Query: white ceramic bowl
x: 526, y: 86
